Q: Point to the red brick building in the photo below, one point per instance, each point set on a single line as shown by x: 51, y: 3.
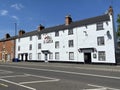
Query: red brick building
x: 7, y: 48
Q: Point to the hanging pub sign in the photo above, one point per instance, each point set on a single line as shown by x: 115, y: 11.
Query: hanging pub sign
x: 48, y: 39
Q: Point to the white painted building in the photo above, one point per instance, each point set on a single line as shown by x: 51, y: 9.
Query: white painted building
x: 87, y: 41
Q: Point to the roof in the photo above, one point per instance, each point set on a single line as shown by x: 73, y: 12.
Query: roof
x: 11, y: 38
x: 79, y: 23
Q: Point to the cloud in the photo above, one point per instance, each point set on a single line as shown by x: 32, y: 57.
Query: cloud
x: 15, y: 17
x: 17, y: 6
x: 3, y: 12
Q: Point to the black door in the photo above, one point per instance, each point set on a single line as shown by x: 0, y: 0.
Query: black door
x: 87, y: 58
x: 26, y: 56
x: 46, y: 57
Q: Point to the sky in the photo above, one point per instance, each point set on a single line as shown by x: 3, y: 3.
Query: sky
x: 29, y: 14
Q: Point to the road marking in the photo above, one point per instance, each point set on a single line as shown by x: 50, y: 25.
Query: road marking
x: 55, y: 80
x: 30, y: 88
x: 106, y: 88
x: 1, y: 84
x: 14, y: 76
x: 41, y: 76
x: 96, y: 89
x: 5, y: 72
x: 67, y: 72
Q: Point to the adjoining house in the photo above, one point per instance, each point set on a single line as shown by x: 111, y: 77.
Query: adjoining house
x: 7, y: 48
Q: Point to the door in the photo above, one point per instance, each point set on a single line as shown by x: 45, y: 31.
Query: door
x: 46, y: 57
x: 87, y: 58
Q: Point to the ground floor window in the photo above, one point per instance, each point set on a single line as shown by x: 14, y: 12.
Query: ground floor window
x: 71, y: 55
x: 56, y: 55
x: 51, y: 56
x: 30, y: 56
x: 101, y: 56
x: 39, y: 56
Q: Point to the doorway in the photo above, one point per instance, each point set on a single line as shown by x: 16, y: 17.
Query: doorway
x: 46, y: 57
x: 87, y: 58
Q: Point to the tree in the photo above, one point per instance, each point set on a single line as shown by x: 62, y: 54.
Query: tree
x: 118, y: 27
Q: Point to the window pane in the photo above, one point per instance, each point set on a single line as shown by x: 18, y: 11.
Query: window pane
x: 51, y: 56
x: 70, y: 31
x: 39, y: 36
x: 30, y: 56
x: 57, y: 56
x: 100, y: 26
x: 39, y: 56
x: 18, y: 48
x: 30, y: 47
x: 101, y: 56
x: 30, y: 38
x: 71, y: 55
x: 57, y: 33
x: 100, y: 41
x: 39, y: 46
x: 70, y: 43
x: 57, y: 44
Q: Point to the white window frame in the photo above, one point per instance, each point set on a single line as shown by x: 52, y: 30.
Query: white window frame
x: 71, y: 43
x: 71, y: 55
x: 30, y: 56
x: 99, y: 26
x: 39, y: 56
x: 51, y: 56
x: 70, y: 31
x: 57, y: 55
x: 100, y: 41
x: 101, y: 55
x: 57, y: 44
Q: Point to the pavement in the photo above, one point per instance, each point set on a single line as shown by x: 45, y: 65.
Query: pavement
x: 58, y: 76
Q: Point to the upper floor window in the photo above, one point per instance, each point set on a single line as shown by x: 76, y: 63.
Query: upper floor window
x: 18, y: 48
x: 30, y: 38
x: 39, y: 36
x: 101, y: 56
x: 57, y: 44
x: 18, y: 39
x: 71, y: 43
x: 100, y: 26
x: 70, y: 31
x: 57, y: 33
x: 39, y: 46
x: 100, y: 41
x: 30, y: 47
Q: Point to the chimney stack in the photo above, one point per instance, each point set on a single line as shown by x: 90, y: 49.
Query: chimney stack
x: 7, y: 35
x: 68, y: 20
x: 40, y: 27
x: 21, y: 32
x: 110, y: 10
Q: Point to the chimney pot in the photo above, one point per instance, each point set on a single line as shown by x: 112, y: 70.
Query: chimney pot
x: 21, y: 32
x: 40, y: 27
x: 110, y: 11
x: 7, y: 35
x: 68, y: 20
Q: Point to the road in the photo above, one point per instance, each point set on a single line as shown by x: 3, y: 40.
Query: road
x: 58, y: 76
